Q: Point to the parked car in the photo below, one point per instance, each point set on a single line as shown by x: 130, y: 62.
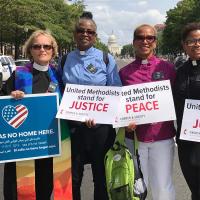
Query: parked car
x: 7, y: 66
x: 21, y: 62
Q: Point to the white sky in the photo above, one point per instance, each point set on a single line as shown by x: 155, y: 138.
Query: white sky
x: 122, y: 16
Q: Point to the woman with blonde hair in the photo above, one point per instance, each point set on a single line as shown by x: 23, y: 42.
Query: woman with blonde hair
x: 34, y: 78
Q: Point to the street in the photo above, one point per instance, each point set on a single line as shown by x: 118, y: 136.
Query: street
x: 182, y: 191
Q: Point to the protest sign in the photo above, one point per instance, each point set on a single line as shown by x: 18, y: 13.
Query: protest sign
x: 145, y: 103
x: 82, y: 102
x: 29, y: 128
x: 190, y: 129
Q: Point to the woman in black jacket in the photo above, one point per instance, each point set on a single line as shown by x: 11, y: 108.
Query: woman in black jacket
x: 187, y: 86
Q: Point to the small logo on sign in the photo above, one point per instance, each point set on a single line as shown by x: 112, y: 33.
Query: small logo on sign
x: 15, y: 116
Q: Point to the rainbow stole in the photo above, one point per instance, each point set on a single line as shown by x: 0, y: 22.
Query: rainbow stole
x: 61, y: 165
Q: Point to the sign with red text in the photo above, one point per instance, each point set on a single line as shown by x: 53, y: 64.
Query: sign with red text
x: 145, y: 103
x: 82, y: 102
x: 190, y: 129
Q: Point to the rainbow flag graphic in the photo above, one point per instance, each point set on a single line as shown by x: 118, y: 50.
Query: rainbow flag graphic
x: 61, y: 170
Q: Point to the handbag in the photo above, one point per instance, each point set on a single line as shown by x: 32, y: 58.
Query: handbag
x: 140, y: 188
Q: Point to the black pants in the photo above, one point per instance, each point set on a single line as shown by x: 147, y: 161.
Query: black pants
x: 189, y: 157
x: 43, y: 179
x: 89, y: 145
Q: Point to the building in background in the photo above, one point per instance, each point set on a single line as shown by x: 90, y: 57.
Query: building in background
x: 113, y: 46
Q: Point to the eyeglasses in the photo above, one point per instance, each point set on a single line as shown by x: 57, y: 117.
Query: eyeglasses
x: 148, y: 38
x: 39, y: 46
x: 192, y: 42
x: 82, y: 31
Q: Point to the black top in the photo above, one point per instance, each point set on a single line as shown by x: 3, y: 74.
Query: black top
x: 41, y: 82
x: 187, y: 86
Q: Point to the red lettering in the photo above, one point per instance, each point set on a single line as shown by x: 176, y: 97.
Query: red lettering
x: 142, y: 107
x: 128, y: 107
x: 84, y: 107
x: 98, y: 105
x: 148, y: 106
x: 105, y: 107
x: 135, y: 107
x: 138, y: 107
x: 89, y: 106
x: 155, y: 105
x: 72, y: 104
x: 196, y: 125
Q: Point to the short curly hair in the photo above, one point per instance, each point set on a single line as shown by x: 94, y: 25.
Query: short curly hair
x: 193, y: 26
x: 35, y: 34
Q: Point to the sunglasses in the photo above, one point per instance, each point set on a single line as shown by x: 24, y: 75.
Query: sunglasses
x: 39, y: 46
x: 83, y: 31
x: 148, y: 38
x: 192, y: 42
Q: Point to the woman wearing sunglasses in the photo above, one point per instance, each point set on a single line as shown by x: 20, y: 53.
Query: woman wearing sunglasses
x: 35, y: 77
x: 156, y: 144
x: 90, y: 142
x: 187, y: 86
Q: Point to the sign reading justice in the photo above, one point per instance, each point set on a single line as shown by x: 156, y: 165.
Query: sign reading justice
x: 81, y: 102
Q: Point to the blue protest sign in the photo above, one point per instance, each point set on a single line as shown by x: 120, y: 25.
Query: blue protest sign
x: 28, y: 127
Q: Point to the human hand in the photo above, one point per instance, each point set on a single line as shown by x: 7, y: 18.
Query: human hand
x: 17, y: 94
x: 90, y: 123
x: 131, y: 127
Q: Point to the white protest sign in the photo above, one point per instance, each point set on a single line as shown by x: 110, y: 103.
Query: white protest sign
x: 81, y: 102
x: 190, y: 129
x: 145, y: 103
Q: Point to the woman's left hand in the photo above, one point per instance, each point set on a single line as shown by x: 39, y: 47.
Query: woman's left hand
x: 17, y: 94
x: 131, y: 127
x: 90, y: 123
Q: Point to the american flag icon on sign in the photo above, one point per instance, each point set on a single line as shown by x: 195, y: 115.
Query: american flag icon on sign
x: 15, y: 116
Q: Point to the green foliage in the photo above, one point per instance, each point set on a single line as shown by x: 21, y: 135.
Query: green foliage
x: 159, y: 43
x: 101, y: 46
x: 21, y: 17
x: 186, y: 11
x: 127, y: 50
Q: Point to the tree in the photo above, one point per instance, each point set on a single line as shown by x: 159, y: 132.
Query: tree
x: 22, y: 17
x: 186, y: 11
x: 101, y: 46
x: 127, y: 50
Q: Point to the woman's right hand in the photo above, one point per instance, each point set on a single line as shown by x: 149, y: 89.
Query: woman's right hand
x: 90, y: 123
x: 17, y: 94
x: 131, y: 127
